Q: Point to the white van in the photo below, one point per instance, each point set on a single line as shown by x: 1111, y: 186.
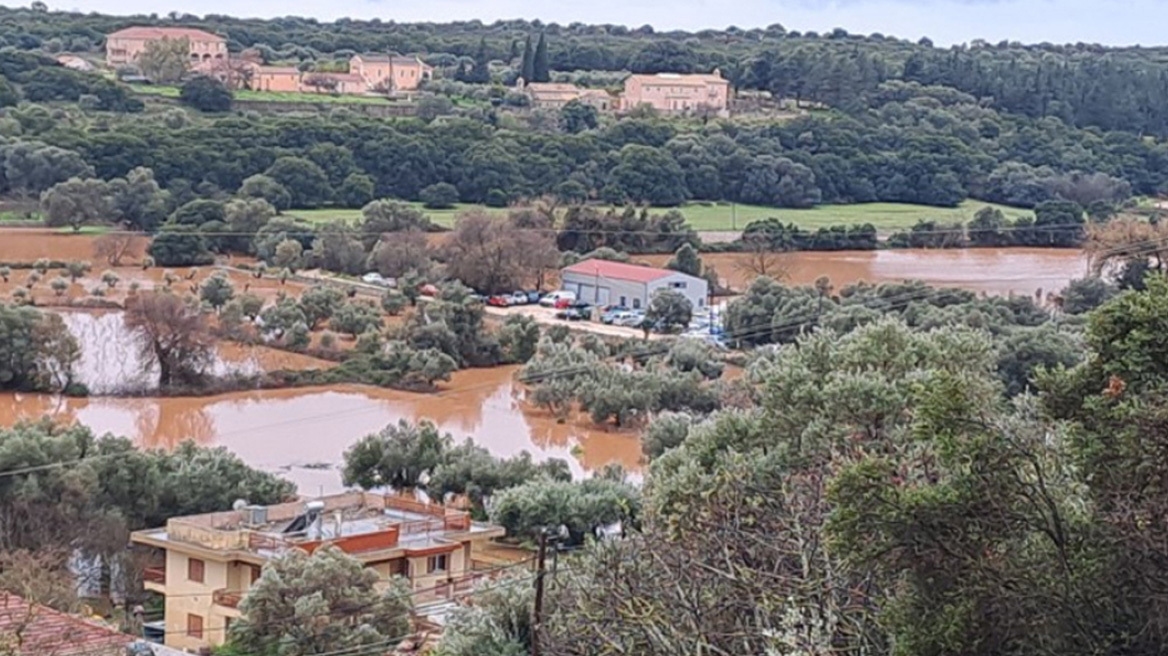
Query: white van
x: 551, y: 299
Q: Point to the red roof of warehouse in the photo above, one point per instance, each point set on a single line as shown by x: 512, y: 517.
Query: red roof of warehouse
x: 43, y: 630
x: 617, y: 270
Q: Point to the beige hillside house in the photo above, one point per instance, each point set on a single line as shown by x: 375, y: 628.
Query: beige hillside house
x: 673, y: 93
x: 124, y: 46
x: 204, y: 564
x: 554, y: 95
x: 388, y: 73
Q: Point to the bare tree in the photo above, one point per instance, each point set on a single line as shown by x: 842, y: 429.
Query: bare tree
x: 759, y: 260
x: 491, y: 255
x: 172, y: 334
x: 113, y: 246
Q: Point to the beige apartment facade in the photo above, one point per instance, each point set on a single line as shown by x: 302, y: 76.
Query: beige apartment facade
x: 125, y: 46
x: 673, y: 93
x: 204, y: 564
x: 554, y: 95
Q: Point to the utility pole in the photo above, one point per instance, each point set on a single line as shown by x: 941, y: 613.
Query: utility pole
x: 537, y: 614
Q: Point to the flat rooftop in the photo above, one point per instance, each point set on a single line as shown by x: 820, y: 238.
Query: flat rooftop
x: 355, y: 522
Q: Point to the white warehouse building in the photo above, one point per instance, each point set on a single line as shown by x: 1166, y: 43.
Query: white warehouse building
x: 601, y: 282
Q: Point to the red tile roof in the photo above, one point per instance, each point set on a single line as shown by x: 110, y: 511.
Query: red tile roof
x: 617, y: 270
x: 42, y: 630
x: 153, y: 33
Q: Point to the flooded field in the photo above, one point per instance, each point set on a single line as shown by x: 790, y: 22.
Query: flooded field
x: 1002, y: 271
x: 111, y: 363
x: 302, y: 433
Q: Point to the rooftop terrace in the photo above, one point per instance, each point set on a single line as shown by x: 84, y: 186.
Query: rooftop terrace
x: 355, y: 522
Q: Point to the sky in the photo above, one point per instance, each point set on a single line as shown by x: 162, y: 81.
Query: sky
x: 1109, y: 22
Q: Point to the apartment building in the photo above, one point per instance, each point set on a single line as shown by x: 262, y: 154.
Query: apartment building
x: 673, y: 93
x: 205, y: 564
x: 388, y: 73
x: 124, y: 46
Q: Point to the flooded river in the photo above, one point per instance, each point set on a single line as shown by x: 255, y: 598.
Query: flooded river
x: 1020, y: 271
x: 302, y: 433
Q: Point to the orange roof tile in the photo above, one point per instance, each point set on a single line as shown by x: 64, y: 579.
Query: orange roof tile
x: 46, y: 631
x: 151, y: 33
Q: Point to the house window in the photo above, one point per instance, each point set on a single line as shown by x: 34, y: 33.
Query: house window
x: 624, y: 302
x: 677, y: 285
x: 195, y: 626
x: 195, y: 570
x: 255, y: 573
x: 436, y: 563
x: 636, y: 304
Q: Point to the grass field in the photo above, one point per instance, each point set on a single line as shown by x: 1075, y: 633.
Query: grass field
x: 887, y: 217
x: 440, y: 217
x: 269, y: 96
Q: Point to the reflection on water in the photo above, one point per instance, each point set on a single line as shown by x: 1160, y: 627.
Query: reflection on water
x: 111, y: 361
x: 1020, y: 271
x: 291, y: 431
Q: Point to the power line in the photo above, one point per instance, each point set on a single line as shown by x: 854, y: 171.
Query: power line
x: 761, y: 329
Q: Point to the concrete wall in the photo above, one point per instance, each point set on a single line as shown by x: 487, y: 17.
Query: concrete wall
x: 185, y: 597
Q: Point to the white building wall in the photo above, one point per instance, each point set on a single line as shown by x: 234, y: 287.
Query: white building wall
x: 599, y: 290
x: 697, y: 290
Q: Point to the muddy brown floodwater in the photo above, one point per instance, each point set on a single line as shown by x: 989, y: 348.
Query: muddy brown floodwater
x: 1020, y: 271
x: 302, y: 433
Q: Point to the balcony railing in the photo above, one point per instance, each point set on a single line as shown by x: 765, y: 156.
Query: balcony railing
x: 154, y: 575
x: 225, y: 597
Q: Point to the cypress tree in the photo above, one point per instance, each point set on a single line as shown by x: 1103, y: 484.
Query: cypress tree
x: 539, y: 67
x: 480, y: 73
x: 527, y: 68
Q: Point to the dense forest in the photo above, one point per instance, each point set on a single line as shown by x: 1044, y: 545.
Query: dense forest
x: 1082, y: 84
x: 916, y: 144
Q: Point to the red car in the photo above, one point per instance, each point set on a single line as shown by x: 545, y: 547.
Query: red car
x: 498, y: 300
x: 428, y: 290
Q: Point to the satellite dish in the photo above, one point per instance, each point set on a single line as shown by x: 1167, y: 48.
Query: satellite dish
x: 239, y: 504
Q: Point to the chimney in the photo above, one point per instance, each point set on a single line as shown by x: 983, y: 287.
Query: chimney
x: 255, y: 516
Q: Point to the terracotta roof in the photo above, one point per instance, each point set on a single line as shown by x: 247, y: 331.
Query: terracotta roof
x: 676, y: 79
x: 148, y: 33
x: 385, y: 59
x: 46, y: 631
x: 617, y: 270
x: 277, y: 70
x: 341, y: 77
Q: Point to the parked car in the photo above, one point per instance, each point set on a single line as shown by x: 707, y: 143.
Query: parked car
x: 632, y: 319
x: 374, y: 278
x: 576, y: 312
x: 621, y: 318
x: 534, y: 295
x: 553, y: 299
x: 428, y: 290
x: 499, y: 300
x: 608, y: 314
x: 519, y: 298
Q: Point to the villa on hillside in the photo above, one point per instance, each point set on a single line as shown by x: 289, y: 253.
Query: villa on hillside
x: 554, y: 95
x: 204, y: 564
x: 668, y: 93
x: 380, y: 74
x: 672, y: 93
x: 124, y: 46
x: 389, y: 73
